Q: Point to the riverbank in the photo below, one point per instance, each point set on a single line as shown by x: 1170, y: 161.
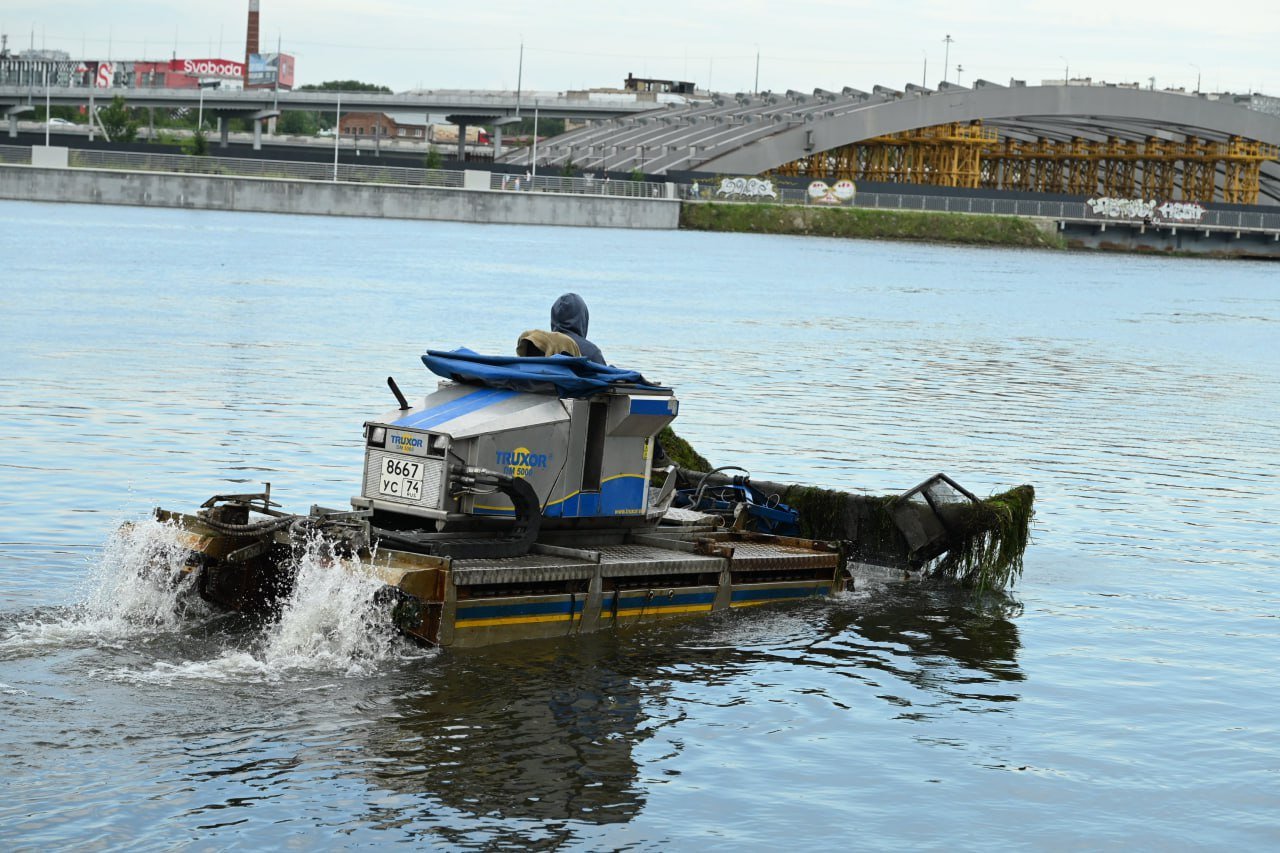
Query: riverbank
x: 330, y: 198
x: 976, y: 229
x: 480, y: 197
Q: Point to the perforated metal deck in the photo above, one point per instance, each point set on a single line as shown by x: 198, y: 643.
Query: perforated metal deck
x: 631, y: 560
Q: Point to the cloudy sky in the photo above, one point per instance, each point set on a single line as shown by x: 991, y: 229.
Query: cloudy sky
x: 1232, y: 45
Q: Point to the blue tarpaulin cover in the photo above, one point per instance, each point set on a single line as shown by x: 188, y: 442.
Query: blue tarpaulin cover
x: 557, y: 374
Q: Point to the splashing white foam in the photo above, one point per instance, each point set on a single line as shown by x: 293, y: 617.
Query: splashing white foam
x: 333, y: 620
x: 139, y: 584
x: 136, y: 586
x: 331, y: 623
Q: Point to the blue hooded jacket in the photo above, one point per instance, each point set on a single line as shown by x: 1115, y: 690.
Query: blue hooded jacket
x: 569, y: 315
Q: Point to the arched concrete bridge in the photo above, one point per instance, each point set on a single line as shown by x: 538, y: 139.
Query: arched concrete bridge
x: 747, y: 136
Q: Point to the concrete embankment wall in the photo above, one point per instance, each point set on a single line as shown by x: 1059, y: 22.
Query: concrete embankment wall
x: 270, y: 195
x: 1174, y: 240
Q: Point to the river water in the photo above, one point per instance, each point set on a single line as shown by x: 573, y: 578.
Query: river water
x: 1123, y: 694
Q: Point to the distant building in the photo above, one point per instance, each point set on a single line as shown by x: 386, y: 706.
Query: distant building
x: 62, y: 72
x: 385, y: 125
x: 408, y: 126
x: 649, y: 84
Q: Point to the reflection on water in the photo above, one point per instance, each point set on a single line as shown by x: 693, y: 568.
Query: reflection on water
x: 545, y: 732
x: 1122, y: 693
x: 548, y: 730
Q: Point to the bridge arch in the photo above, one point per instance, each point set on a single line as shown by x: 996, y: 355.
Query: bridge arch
x: 745, y: 135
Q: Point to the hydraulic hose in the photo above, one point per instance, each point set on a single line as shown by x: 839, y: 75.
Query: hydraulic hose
x: 515, y: 543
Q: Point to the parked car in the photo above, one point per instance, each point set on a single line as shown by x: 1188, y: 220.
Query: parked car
x: 61, y: 122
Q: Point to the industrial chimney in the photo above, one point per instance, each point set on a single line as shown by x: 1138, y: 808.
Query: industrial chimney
x: 251, y: 39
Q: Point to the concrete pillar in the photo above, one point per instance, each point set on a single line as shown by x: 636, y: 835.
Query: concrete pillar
x: 462, y: 142
x: 13, y: 126
x: 224, y: 131
x: 257, y: 134
x: 497, y: 142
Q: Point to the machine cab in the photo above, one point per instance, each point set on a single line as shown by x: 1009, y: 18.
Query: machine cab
x: 586, y: 449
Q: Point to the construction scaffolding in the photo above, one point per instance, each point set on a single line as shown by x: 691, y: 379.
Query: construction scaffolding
x: 970, y: 155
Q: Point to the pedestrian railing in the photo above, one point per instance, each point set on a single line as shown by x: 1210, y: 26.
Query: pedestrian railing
x: 1061, y: 210
x: 15, y: 155
x: 244, y: 167
x: 575, y: 186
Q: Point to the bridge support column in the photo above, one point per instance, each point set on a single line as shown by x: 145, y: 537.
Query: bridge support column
x: 462, y: 141
x: 497, y: 142
x: 258, y: 118
x: 12, y: 114
x: 224, y: 131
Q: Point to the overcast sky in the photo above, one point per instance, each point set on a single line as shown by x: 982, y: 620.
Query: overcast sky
x: 1232, y: 45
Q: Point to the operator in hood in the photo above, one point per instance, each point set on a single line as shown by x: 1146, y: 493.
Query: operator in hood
x: 569, y: 316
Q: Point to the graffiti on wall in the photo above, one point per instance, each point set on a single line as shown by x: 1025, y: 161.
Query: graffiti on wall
x: 841, y: 192
x: 1180, y: 211
x: 749, y: 187
x: 1147, y: 210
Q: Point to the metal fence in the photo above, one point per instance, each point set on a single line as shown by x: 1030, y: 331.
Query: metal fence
x: 241, y: 167
x: 1069, y: 210
x: 15, y: 155
x: 576, y: 186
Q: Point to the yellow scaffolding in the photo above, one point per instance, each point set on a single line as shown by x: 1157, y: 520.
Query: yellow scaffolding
x: 970, y: 155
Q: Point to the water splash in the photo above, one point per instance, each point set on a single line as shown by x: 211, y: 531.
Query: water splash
x: 139, y: 584
x: 135, y: 587
x: 137, y: 590
x: 334, y: 619
x: 333, y: 622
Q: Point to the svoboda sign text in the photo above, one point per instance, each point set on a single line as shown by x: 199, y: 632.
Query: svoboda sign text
x: 208, y: 67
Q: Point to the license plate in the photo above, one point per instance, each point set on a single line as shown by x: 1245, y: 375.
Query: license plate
x: 401, y: 478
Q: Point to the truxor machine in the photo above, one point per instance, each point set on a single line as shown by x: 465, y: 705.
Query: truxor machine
x: 514, y: 502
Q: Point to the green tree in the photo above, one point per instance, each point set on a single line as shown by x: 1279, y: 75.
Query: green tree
x: 434, y: 159
x: 68, y: 113
x: 197, y: 144
x: 344, y: 86
x: 299, y: 123
x: 637, y: 174
x: 569, y: 168
x: 118, y: 122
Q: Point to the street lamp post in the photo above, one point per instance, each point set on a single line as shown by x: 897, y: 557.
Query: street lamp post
x: 337, y: 136
x: 533, y: 169
x: 1066, y: 71
x: 1197, y: 68
x: 946, y: 56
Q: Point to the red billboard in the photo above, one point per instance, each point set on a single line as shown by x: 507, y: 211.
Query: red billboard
x: 224, y: 68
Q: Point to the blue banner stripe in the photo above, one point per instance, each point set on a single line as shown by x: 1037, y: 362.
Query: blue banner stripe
x: 531, y: 608
x: 650, y: 407
x: 789, y: 592
x: 464, y: 405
